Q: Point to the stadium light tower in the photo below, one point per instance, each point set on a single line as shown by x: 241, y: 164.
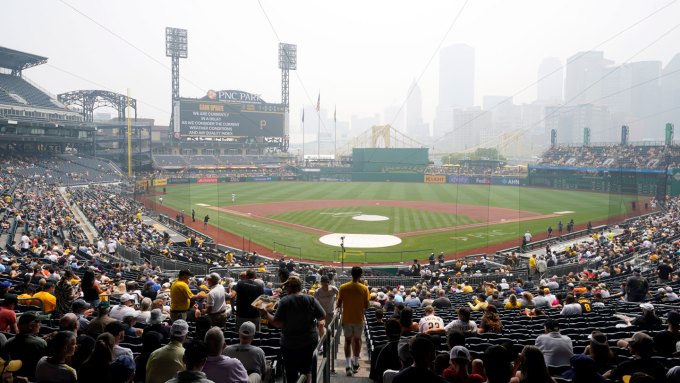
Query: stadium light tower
x: 176, y: 44
x: 287, y: 62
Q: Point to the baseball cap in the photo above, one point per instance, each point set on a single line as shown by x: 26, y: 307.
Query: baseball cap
x: 125, y: 298
x: 460, y: 353
x: 10, y: 366
x: 293, y: 281
x: 247, y: 329
x: 104, y: 304
x: 179, y: 328
x: 640, y: 339
x: 647, y: 306
x: 28, y: 317
x: 381, y: 296
x: 80, y: 304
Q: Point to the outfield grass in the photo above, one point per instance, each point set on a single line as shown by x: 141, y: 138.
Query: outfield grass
x: 586, y: 206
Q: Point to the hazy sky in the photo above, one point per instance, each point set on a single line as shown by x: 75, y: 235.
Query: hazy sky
x: 361, y: 55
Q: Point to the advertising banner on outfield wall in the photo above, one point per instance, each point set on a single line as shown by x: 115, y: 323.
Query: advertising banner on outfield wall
x: 511, y: 181
x: 230, y: 179
x: 288, y: 178
x: 179, y: 180
x: 160, y: 182
x: 464, y: 180
x: 459, y: 180
x: 435, y: 179
x: 207, y: 180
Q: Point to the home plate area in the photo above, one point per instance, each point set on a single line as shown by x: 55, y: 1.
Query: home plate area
x: 363, y: 241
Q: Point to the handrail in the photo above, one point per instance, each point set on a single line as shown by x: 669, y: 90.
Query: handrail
x: 328, y: 347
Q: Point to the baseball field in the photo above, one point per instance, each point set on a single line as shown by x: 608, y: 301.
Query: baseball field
x: 384, y: 222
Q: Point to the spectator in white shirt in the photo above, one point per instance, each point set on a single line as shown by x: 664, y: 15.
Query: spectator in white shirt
x: 124, y: 308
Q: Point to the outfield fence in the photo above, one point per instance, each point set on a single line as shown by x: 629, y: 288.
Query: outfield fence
x: 282, y: 248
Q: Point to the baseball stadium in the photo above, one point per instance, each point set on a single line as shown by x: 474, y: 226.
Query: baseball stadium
x: 102, y: 219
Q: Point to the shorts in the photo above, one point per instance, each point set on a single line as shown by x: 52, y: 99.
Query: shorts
x: 352, y: 329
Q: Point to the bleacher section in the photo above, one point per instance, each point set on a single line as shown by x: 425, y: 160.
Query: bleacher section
x: 30, y: 94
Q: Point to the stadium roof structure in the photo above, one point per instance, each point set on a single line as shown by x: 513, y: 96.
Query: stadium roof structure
x: 18, y: 61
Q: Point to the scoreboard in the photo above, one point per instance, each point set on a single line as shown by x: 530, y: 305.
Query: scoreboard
x: 223, y: 119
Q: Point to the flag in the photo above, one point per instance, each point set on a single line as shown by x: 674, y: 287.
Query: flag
x: 335, y: 114
x: 318, y: 102
x: 303, y: 115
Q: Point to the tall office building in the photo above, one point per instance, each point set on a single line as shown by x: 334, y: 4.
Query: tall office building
x: 456, y: 84
x: 550, y: 81
x: 415, y: 127
x: 644, y: 92
x: 584, y: 73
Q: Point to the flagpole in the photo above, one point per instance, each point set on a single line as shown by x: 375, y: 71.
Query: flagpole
x: 318, y: 135
x: 335, y: 134
x: 303, y: 136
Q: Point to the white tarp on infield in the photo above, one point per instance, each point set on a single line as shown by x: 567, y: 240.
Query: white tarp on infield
x: 371, y: 218
x: 363, y: 241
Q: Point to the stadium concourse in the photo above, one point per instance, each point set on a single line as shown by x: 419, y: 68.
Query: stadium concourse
x: 623, y: 284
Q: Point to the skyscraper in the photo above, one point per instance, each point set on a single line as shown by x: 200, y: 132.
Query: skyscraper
x: 584, y: 71
x: 415, y: 128
x: 456, y: 84
x: 550, y: 81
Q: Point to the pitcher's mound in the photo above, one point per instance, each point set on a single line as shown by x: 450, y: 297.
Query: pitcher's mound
x: 368, y: 217
x: 362, y: 241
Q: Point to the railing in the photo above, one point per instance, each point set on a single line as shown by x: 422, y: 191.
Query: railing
x: 130, y: 254
x: 327, y: 348
x: 183, y: 229
x: 171, y: 264
x: 559, y: 238
x: 351, y: 256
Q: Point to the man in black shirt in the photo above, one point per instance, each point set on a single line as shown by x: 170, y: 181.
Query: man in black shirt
x: 245, y: 292
x: 664, y: 341
x: 664, y: 271
x: 636, y: 287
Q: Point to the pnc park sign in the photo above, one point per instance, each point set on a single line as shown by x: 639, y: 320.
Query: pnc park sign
x: 233, y: 96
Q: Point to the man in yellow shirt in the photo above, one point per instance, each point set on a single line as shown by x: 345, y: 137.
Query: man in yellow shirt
x: 353, y: 298
x: 181, y: 296
x: 47, y: 297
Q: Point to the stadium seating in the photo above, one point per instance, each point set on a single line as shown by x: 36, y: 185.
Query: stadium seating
x: 32, y: 95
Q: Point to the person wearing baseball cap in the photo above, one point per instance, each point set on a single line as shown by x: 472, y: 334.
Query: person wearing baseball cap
x: 124, y: 308
x: 665, y: 341
x: 641, y: 347
x: 216, y: 306
x: 27, y: 346
x: 459, y: 363
x: 326, y: 296
x: 165, y: 362
x: 300, y: 318
x: 252, y: 357
x: 647, y: 321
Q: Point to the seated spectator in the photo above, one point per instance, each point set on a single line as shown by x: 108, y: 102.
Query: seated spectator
x: 406, y: 321
x: 252, y: 357
x: 98, y: 324
x: 532, y: 367
x: 512, y: 302
x: 665, y: 341
x: 463, y: 323
x: 165, y: 362
x: 490, y: 321
x: 27, y: 346
x: 599, y: 350
x: 641, y: 347
x: 99, y: 360
x: 442, y: 301
x: 117, y: 329
x: 8, y: 317
x: 46, y: 296
x: 219, y: 368
x: 124, y: 308
x: 53, y: 368
x: 151, y: 341
x: 557, y: 349
x: 646, y: 321
x: 459, y: 370
x: 497, y: 364
x: 583, y: 370
x: 422, y: 352
x: 81, y: 309
x: 571, y: 307
x: 194, y: 358
x: 121, y: 370
x: 156, y: 324
x: 386, y: 357
x: 479, y: 303
x: 430, y: 323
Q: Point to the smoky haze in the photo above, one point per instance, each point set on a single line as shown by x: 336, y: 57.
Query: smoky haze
x: 467, y: 86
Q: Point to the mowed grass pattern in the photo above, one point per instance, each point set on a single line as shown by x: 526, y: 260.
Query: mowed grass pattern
x: 587, y: 206
x: 401, y: 220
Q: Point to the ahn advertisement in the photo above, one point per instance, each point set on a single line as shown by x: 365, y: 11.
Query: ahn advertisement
x: 435, y: 179
x: 213, y: 119
x: 472, y: 180
x: 160, y: 182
